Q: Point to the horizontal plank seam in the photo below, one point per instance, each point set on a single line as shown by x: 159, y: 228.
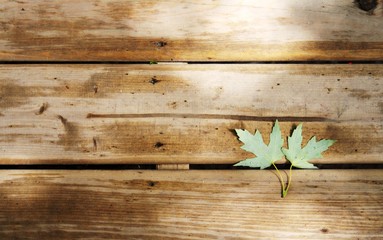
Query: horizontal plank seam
x: 192, y: 167
x: 18, y: 62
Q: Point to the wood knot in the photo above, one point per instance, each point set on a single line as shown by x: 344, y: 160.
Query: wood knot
x: 151, y: 184
x: 154, y: 80
x: 324, y: 230
x: 161, y: 44
x: 42, y: 109
x: 367, y: 5
x: 158, y: 144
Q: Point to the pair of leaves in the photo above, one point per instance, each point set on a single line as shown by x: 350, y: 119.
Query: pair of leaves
x: 266, y: 155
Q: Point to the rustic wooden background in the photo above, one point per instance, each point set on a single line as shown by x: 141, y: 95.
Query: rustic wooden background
x: 76, y: 88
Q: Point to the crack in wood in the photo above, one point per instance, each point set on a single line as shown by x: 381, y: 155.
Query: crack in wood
x: 213, y: 116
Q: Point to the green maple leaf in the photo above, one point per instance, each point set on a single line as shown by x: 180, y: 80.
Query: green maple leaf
x: 298, y: 156
x: 265, y: 154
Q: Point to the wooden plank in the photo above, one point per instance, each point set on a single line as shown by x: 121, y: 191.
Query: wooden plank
x: 316, y: 92
x: 184, y: 30
x: 323, y: 204
x: 183, y: 141
x: 183, y: 114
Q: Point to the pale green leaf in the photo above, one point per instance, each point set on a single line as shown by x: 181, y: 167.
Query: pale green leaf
x: 299, y: 156
x: 266, y: 154
x: 276, y: 143
x: 257, y: 162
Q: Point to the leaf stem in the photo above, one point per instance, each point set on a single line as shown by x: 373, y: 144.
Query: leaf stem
x: 281, y: 179
x: 288, y: 183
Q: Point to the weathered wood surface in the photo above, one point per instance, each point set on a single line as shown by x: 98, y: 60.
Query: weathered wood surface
x: 172, y: 166
x: 190, y: 30
x: 167, y: 114
x: 323, y: 204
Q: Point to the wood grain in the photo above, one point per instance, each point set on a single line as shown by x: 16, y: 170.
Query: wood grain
x: 235, y: 91
x: 323, y: 204
x: 128, y: 30
x: 168, y: 114
x: 172, y: 166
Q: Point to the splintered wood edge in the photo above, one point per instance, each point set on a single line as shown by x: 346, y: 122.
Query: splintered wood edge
x: 333, y: 204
